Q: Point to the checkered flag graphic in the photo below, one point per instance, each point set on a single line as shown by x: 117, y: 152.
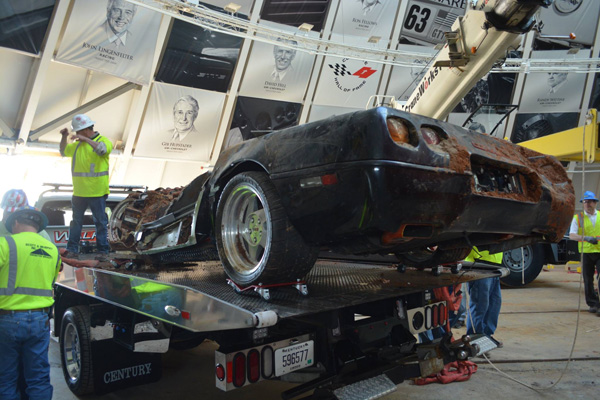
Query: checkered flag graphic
x: 339, y: 69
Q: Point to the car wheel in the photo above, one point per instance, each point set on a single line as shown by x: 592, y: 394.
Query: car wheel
x: 429, y: 257
x: 255, y: 239
x: 76, y: 351
x: 531, y: 259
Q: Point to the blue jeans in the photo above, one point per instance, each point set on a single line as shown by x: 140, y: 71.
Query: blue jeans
x: 485, y: 303
x: 24, y: 337
x: 98, y: 207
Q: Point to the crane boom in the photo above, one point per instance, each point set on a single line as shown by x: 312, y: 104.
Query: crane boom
x: 476, y: 42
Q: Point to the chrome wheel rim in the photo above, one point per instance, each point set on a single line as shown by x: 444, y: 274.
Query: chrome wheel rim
x: 72, y: 352
x: 246, y: 229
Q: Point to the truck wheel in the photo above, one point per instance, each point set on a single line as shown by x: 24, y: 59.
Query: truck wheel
x: 427, y: 257
x: 255, y: 239
x: 533, y: 262
x: 76, y: 351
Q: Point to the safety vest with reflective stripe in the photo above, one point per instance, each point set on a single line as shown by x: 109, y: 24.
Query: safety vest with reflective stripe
x: 590, y: 230
x: 29, y: 265
x: 89, y: 170
x: 484, y: 255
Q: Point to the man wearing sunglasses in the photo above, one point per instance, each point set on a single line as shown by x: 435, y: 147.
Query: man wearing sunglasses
x: 586, y: 230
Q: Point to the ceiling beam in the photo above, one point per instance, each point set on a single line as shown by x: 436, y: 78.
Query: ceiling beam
x: 90, y: 105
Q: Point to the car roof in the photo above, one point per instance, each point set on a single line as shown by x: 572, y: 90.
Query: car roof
x: 64, y: 191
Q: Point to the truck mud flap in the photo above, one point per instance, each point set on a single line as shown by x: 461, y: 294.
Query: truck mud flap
x: 117, y: 368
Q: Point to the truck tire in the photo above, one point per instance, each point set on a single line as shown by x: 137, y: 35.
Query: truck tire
x: 256, y: 241
x: 76, y: 351
x: 533, y: 262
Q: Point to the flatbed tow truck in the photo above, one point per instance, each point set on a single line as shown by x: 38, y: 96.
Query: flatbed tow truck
x: 352, y: 325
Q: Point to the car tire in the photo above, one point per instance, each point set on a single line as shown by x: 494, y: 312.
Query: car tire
x: 76, y: 351
x: 533, y: 262
x: 426, y: 258
x: 255, y: 239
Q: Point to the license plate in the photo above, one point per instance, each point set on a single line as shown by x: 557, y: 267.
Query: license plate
x: 293, y: 358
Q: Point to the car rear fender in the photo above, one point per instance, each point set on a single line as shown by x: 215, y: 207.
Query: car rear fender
x: 218, y: 181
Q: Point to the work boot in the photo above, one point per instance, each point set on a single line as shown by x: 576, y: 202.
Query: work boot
x: 71, y: 255
x: 593, y: 309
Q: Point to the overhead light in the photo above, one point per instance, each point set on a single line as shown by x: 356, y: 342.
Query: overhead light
x: 232, y: 8
x: 374, y: 39
x: 305, y: 27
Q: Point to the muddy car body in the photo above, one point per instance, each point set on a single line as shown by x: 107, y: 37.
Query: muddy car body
x: 375, y: 181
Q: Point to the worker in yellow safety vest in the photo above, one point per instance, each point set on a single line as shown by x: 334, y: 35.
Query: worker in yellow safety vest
x: 29, y: 265
x: 485, y: 298
x: 89, y: 170
x: 586, y: 230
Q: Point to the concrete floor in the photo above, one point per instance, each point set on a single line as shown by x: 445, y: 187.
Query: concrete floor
x: 537, y: 325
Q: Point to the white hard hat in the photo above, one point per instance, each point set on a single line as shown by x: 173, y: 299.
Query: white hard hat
x: 81, y: 121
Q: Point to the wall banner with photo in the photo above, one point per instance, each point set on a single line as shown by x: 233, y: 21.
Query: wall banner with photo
x: 197, y: 57
x: 533, y: 126
x: 277, y: 72
x: 553, y: 91
x: 257, y: 117
x: 180, y: 123
x: 111, y: 36
x: 366, y: 18
x: 346, y: 82
x: 426, y: 21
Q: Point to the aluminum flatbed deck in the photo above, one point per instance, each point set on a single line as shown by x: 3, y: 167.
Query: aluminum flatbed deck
x: 196, y: 296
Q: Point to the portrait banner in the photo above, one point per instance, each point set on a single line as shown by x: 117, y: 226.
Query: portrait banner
x: 366, y: 18
x: 559, y: 91
x: 111, y: 36
x: 180, y: 123
x: 277, y: 72
x: 347, y: 82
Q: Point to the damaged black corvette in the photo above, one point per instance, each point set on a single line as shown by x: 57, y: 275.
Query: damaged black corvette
x: 379, y: 181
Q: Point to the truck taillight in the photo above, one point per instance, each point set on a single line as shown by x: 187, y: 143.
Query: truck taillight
x: 220, y: 372
x: 253, y: 366
x: 424, y: 318
x: 443, y: 314
x: 239, y: 369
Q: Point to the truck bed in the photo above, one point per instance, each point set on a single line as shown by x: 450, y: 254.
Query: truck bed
x: 196, y: 296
